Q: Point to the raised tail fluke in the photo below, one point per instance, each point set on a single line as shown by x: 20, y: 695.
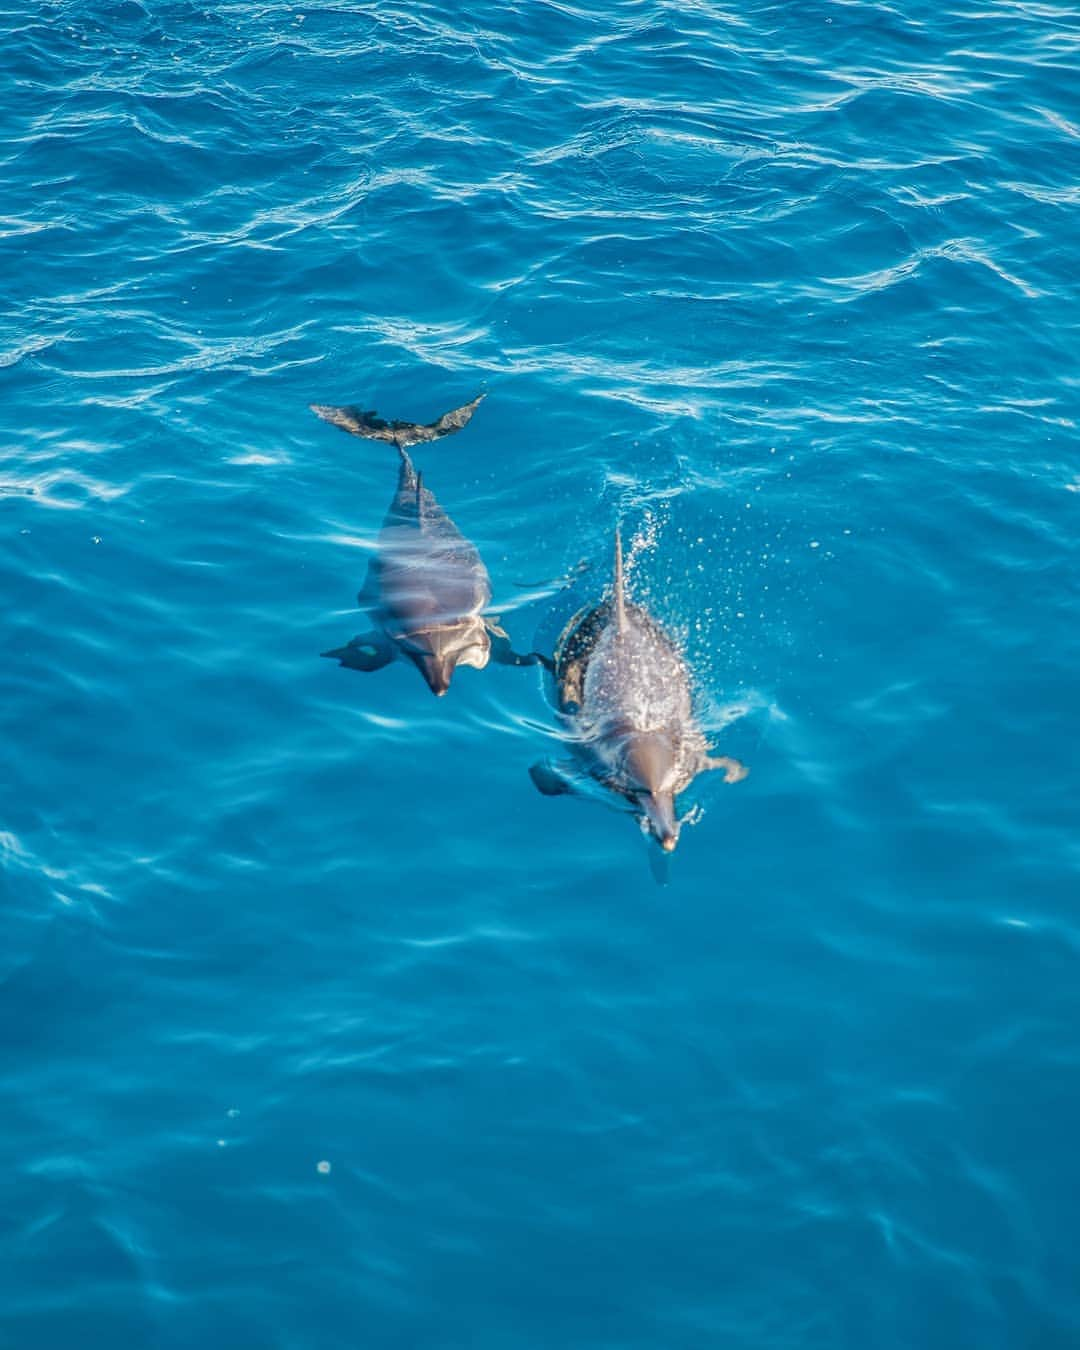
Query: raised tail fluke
x: 369, y: 424
x: 620, y: 587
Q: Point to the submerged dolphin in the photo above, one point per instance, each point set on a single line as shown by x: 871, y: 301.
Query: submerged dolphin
x: 426, y: 586
x: 624, y: 692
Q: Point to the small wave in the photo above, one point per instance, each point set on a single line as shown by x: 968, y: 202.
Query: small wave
x: 961, y: 251
x: 29, y: 346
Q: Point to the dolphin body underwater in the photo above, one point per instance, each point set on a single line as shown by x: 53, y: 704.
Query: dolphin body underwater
x: 624, y: 694
x: 426, y: 587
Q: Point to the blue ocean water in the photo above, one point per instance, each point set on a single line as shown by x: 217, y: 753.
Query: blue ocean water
x: 320, y: 1027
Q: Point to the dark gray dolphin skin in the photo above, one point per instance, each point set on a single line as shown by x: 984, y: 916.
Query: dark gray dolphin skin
x: 624, y: 695
x: 426, y: 587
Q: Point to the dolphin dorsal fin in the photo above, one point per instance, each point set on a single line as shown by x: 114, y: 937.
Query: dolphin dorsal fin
x: 620, y: 590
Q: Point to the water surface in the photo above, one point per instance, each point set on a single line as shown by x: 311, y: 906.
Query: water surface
x: 791, y: 290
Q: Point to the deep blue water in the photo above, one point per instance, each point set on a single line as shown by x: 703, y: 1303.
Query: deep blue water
x: 792, y: 291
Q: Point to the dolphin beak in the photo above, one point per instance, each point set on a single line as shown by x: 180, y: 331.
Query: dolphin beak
x: 437, y: 674
x: 660, y: 809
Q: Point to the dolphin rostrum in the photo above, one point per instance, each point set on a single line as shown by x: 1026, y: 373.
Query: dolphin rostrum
x: 624, y: 694
x: 426, y: 586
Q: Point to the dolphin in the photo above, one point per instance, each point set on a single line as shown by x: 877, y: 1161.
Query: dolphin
x: 426, y: 587
x: 623, y: 692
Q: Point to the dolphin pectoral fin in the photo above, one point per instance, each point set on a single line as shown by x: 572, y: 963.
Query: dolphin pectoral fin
x: 370, y: 652
x: 734, y: 770
x: 502, y: 649
x: 551, y: 780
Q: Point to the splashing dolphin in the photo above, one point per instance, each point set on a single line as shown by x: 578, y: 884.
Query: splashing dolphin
x: 427, y: 587
x: 624, y: 693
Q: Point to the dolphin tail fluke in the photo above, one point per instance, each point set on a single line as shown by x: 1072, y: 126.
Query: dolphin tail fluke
x: 454, y: 420
x: 369, y: 424
x: 620, y: 587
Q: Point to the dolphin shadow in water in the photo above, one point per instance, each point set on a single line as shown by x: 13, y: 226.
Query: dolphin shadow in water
x: 623, y: 691
x: 426, y: 587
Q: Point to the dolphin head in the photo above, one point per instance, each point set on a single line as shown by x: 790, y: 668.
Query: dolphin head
x: 649, y: 767
x: 437, y: 651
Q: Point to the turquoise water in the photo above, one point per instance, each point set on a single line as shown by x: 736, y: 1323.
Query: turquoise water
x: 791, y: 291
